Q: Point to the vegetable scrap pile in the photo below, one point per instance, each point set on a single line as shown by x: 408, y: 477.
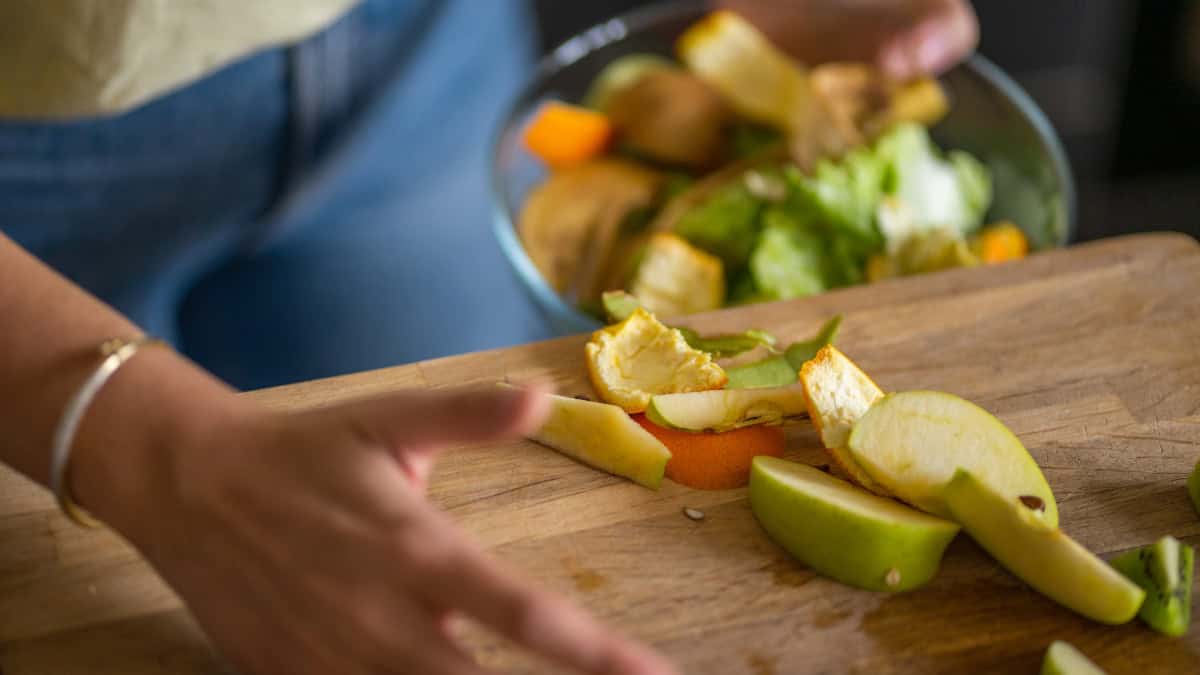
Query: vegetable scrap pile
x: 910, y: 470
x: 672, y: 405
x: 737, y: 175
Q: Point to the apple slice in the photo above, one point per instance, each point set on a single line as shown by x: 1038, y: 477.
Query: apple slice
x: 844, y: 532
x: 1021, y: 537
x: 1062, y: 658
x: 1164, y: 570
x: 914, y: 441
x: 605, y: 437
x: 726, y: 409
x: 839, y: 393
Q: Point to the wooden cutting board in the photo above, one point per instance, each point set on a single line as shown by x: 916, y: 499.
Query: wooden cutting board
x: 1092, y: 355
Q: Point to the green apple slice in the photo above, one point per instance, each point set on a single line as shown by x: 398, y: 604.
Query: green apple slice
x: 1194, y: 487
x: 605, y: 437
x: 913, y: 442
x: 1022, y: 539
x: 1062, y: 658
x: 844, y: 532
x: 1164, y: 570
x: 725, y: 409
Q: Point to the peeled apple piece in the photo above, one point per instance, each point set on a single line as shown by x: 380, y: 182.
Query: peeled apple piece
x: 601, y: 435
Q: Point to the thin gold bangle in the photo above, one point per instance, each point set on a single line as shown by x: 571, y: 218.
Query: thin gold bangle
x: 116, y: 352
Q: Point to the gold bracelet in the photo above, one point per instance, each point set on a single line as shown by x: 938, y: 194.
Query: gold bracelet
x: 115, y: 352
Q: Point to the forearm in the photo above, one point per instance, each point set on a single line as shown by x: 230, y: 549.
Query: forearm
x: 48, y: 347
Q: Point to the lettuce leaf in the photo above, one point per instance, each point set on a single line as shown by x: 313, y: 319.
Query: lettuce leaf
x: 725, y: 225
x: 843, y: 195
x: 950, y: 194
x: 974, y: 181
x: 788, y: 261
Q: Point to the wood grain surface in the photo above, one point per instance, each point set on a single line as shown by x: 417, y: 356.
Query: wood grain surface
x: 1092, y: 355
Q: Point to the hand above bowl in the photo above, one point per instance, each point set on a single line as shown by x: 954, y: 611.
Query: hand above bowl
x: 906, y: 39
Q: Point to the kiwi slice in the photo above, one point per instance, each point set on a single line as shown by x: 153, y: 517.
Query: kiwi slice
x: 1164, y: 570
x: 1064, y: 659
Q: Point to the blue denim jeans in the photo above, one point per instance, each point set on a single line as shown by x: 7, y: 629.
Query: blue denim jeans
x: 305, y: 212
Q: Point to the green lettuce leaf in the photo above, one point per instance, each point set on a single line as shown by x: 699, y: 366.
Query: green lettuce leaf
x: 974, y: 181
x: 842, y: 195
x: 747, y: 139
x: 725, y: 225
x: 846, y: 260
x: 788, y: 261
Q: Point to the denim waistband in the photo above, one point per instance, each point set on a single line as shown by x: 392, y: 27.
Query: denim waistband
x: 333, y: 77
x: 239, y: 153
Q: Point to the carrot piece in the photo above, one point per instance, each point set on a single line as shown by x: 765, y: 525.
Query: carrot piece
x: 1002, y: 242
x: 715, y: 461
x: 565, y: 135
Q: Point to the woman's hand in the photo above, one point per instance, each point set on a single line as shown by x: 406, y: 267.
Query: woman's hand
x: 303, y: 543
x: 906, y: 38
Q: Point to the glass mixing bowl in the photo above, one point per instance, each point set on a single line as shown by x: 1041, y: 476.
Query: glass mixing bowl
x: 990, y: 116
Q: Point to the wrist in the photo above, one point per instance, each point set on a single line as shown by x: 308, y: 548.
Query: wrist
x: 125, y: 455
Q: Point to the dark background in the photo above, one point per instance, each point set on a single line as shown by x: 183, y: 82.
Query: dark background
x: 1119, y: 79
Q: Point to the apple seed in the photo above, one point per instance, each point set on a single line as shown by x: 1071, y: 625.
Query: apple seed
x: 1033, y: 503
x: 893, y: 577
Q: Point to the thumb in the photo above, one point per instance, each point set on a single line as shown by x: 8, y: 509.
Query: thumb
x: 424, y: 420
x: 947, y: 33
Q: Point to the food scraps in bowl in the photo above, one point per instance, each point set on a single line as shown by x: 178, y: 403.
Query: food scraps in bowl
x: 737, y: 175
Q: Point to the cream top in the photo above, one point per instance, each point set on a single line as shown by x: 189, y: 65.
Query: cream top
x: 78, y: 58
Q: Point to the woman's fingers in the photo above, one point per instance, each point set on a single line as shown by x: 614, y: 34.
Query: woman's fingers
x: 431, y: 559
x: 428, y: 419
x: 436, y: 655
x: 944, y: 34
x: 906, y: 38
x: 415, y: 424
x: 463, y: 577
